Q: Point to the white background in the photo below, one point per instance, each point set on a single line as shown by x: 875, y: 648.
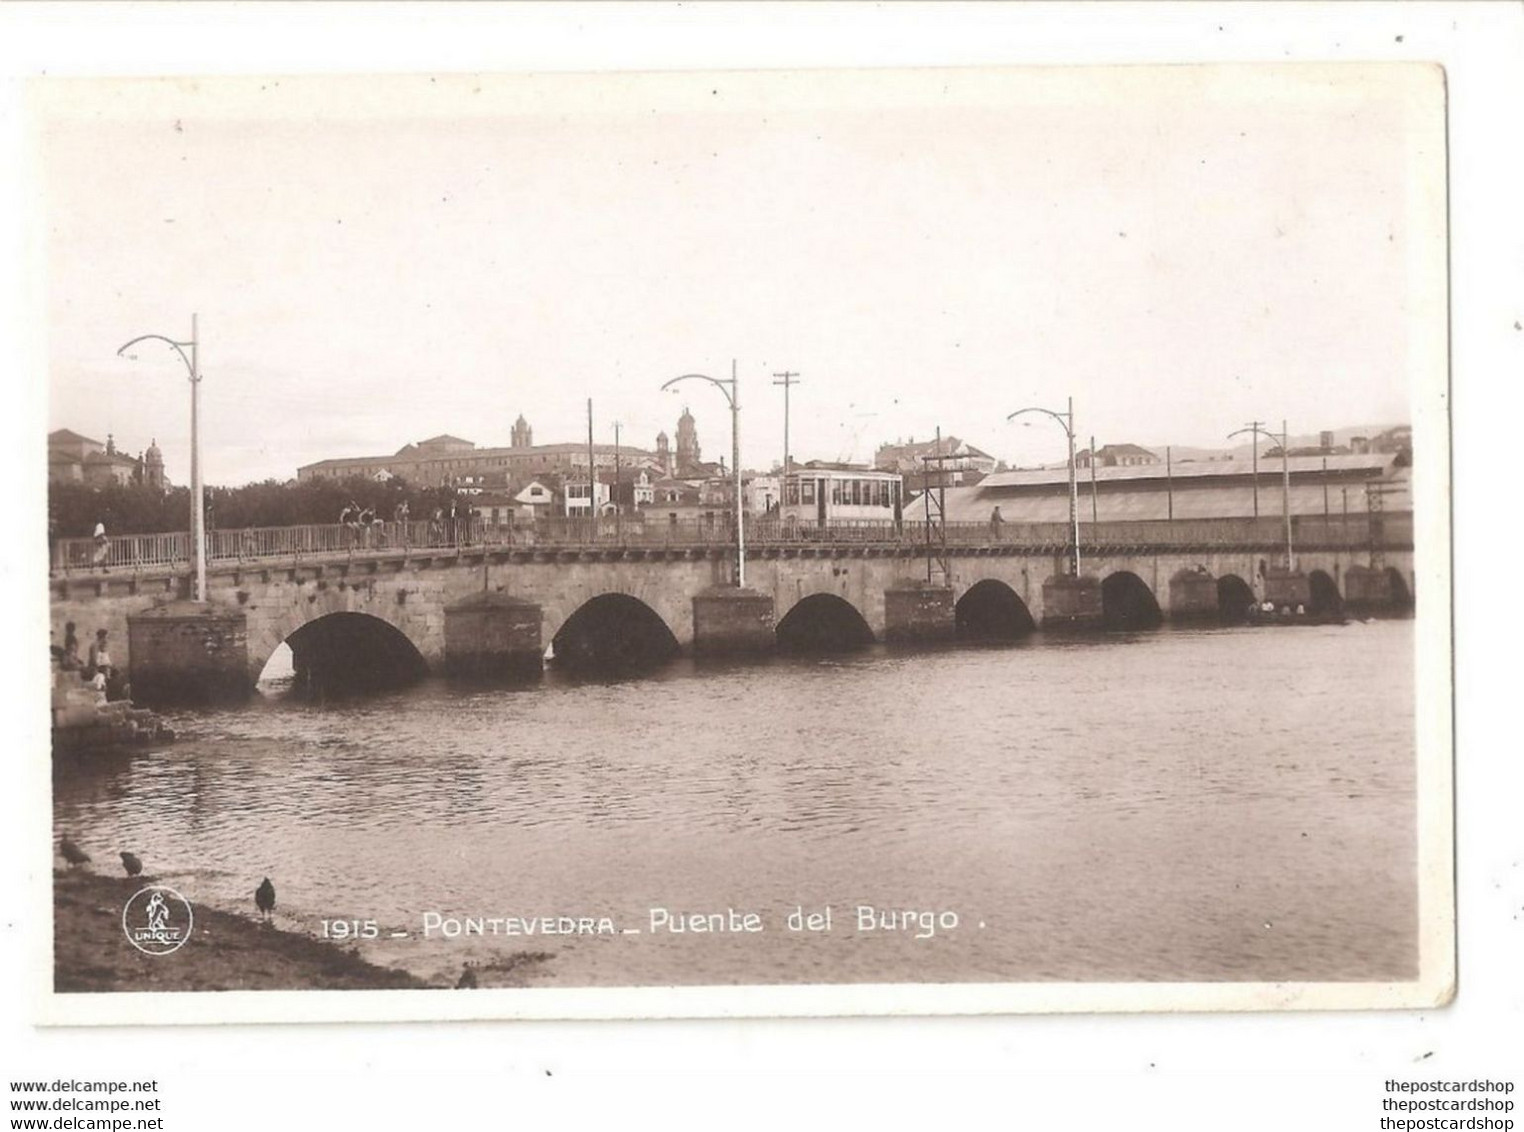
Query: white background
x: 1192, y: 1072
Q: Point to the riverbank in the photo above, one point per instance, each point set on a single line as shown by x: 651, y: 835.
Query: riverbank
x: 225, y: 952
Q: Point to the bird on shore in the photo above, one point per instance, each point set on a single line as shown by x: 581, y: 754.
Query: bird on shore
x: 132, y: 863
x: 72, y: 852
x: 264, y: 898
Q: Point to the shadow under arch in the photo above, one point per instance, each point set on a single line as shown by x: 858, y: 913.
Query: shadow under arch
x: 613, y: 633
x: 1400, y: 596
x: 1323, y: 598
x: 823, y: 623
x: 1234, y: 599
x: 990, y: 610
x: 1128, y: 603
x: 348, y: 653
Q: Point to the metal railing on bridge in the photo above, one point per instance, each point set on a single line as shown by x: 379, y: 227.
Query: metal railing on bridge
x: 171, y: 551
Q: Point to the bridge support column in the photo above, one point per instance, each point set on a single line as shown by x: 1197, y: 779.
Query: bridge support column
x: 492, y: 636
x: 1287, y: 588
x: 1192, y: 594
x: 727, y: 619
x: 917, y: 611
x: 1070, y: 602
x: 188, y: 653
x: 1366, y: 589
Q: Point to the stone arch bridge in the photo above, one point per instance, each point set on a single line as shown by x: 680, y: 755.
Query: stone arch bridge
x: 485, y: 607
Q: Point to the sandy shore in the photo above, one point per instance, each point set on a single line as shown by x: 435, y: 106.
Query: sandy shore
x: 226, y: 952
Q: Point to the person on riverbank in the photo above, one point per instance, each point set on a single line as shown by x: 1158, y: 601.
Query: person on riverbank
x: 68, y: 658
x: 100, y: 656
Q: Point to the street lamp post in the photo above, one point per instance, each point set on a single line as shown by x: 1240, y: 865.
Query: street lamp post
x: 1255, y: 430
x: 198, y: 518
x: 732, y: 392
x: 1066, y: 422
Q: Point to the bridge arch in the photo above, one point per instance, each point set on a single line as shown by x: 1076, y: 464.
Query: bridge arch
x: 1128, y: 603
x: 346, y: 652
x: 613, y: 632
x: 823, y: 622
x: 1324, y: 599
x: 1234, y: 597
x: 990, y: 610
x: 1397, y: 587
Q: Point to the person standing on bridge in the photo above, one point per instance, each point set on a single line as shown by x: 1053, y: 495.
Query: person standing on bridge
x: 399, y: 516
x: 102, y: 547
x: 996, y: 521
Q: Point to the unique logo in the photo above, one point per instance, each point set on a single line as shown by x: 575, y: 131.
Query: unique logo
x: 157, y: 920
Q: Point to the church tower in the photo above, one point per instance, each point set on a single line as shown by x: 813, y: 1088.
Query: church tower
x: 664, y: 453
x: 153, y: 466
x: 523, y: 435
x: 687, y: 443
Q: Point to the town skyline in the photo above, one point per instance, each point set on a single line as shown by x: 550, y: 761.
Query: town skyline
x: 1014, y: 240
x: 720, y: 455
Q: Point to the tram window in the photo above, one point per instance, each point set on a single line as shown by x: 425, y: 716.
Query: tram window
x: 808, y: 489
x: 791, y: 491
x: 836, y: 491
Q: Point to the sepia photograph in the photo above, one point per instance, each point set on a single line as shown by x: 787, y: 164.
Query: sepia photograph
x: 945, y: 540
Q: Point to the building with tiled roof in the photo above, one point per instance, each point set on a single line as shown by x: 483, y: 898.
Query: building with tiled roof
x: 1198, y: 489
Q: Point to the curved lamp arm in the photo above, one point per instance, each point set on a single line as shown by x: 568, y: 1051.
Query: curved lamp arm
x: 170, y: 342
x: 1059, y: 417
x: 1270, y: 436
x: 714, y: 381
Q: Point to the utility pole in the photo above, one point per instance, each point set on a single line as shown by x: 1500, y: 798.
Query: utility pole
x: 1169, y: 480
x: 592, y: 478
x: 1254, y: 429
x: 732, y: 391
x: 787, y: 379
x: 1286, y: 492
x: 197, y: 515
x: 1094, y: 509
x: 199, y: 533
x: 618, y: 502
x: 735, y: 458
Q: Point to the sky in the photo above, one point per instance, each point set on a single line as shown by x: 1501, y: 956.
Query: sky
x: 377, y: 261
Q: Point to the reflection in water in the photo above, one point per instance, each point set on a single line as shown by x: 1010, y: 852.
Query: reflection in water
x: 1185, y: 805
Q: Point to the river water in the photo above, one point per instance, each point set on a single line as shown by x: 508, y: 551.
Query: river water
x: 1184, y: 804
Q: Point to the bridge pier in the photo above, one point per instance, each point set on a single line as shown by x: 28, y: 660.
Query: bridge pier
x: 729, y: 620
x: 1192, y: 594
x: 186, y: 653
x: 915, y: 612
x: 1070, y: 602
x: 1287, y: 588
x: 493, y: 636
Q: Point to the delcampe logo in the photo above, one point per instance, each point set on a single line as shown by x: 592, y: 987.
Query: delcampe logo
x: 157, y: 920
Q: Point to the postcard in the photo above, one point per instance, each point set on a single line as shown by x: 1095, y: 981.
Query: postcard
x: 744, y: 543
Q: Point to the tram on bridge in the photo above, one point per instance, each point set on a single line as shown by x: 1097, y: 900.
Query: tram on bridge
x: 818, y: 495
